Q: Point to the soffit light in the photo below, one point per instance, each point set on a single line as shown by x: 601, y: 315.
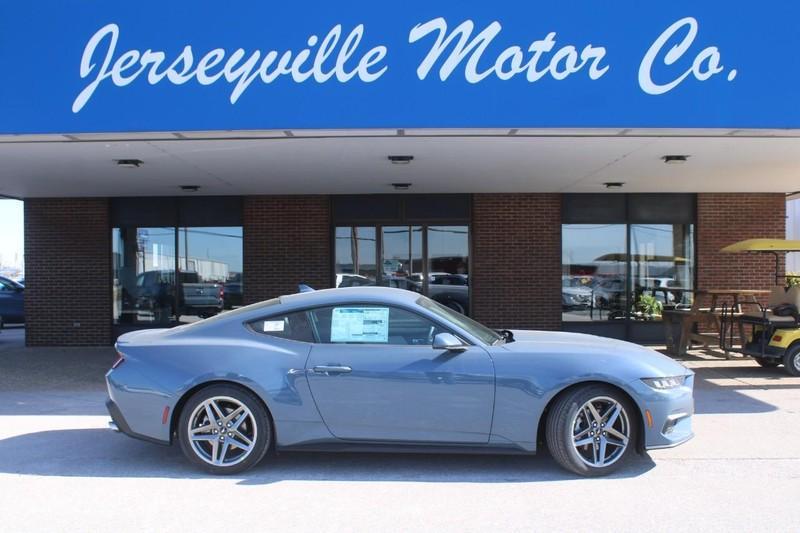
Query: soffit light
x: 614, y: 184
x: 401, y: 159
x: 675, y: 159
x: 190, y: 188
x: 129, y: 163
x: 401, y: 186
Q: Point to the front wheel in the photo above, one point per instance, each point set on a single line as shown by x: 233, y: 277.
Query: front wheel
x: 224, y: 429
x: 591, y: 430
x: 791, y: 360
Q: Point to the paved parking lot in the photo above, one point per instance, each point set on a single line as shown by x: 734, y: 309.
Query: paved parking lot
x: 60, y: 469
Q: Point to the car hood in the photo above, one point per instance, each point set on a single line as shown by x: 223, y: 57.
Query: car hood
x: 649, y: 362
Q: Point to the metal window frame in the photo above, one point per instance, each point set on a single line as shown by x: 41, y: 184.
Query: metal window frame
x: 176, y: 206
x: 628, y: 198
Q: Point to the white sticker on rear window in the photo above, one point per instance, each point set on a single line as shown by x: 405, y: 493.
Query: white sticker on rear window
x: 360, y: 324
x: 273, y: 325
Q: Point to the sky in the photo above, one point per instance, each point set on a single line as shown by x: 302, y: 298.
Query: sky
x: 11, y: 237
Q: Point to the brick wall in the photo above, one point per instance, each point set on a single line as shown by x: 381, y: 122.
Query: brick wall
x: 286, y: 242
x: 516, y: 263
x: 67, y: 272
x: 725, y: 218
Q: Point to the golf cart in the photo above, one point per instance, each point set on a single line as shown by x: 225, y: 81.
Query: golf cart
x: 774, y: 329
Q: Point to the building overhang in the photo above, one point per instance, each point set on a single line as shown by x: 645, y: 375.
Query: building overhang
x: 357, y: 162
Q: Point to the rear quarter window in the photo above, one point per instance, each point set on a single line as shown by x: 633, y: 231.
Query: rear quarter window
x: 290, y: 326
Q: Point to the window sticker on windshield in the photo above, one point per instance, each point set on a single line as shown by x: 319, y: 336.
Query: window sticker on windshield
x: 360, y: 324
x: 273, y: 325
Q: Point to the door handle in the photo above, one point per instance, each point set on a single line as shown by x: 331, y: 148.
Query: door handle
x: 331, y: 370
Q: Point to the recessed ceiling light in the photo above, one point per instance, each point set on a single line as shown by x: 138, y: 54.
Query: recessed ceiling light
x: 675, y: 159
x: 401, y: 159
x: 190, y: 188
x: 401, y: 186
x: 129, y: 163
x: 614, y: 184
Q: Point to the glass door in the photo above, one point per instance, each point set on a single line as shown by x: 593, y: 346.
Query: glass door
x: 401, y: 258
x: 144, y: 275
x: 356, y: 256
x: 427, y: 259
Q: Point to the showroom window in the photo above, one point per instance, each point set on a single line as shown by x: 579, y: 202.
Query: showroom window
x: 175, y: 260
x: 626, y: 259
x: 417, y: 243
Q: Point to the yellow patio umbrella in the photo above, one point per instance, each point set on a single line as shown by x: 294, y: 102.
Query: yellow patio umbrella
x: 764, y: 246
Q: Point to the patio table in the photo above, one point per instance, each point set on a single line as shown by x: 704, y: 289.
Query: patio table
x: 709, y: 316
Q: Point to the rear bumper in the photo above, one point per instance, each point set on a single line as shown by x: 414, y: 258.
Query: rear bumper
x: 119, y: 424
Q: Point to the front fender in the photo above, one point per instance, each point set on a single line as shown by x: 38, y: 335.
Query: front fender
x: 520, y: 402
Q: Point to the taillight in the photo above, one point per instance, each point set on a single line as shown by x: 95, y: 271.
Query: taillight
x: 221, y: 291
x: 119, y: 361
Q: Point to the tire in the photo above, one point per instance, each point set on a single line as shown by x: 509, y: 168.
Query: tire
x: 567, y: 423
x: 791, y: 360
x: 767, y: 363
x: 252, y: 429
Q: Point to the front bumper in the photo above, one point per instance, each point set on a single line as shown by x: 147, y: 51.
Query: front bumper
x: 667, y: 414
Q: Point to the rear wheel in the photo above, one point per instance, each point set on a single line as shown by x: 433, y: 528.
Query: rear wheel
x: 791, y: 360
x: 591, y: 430
x: 224, y: 429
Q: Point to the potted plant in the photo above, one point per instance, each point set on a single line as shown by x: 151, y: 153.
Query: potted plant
x: 648, y: 307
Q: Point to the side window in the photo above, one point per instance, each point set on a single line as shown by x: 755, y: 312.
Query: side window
x: 292, y: 326
x: 370, y: 324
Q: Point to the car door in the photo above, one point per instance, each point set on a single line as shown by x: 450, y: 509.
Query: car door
x: 11, y: 301
x: 375, y: 376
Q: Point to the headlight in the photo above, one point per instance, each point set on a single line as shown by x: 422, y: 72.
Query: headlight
x: 665, y: 383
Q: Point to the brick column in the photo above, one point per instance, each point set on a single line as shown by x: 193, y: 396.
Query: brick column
x: 67, y: 272
x: 286, y: 242
x: 725, y: 218
x: 516, y: 263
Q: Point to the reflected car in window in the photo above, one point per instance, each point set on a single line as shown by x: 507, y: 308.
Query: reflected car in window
x: 609, y: 297
x: 451, y: 290
x: 575, y: 294
x: 155, y: 289
x: 374, y: 368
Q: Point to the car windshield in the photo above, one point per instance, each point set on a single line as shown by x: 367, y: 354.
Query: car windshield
x: 476, y: 329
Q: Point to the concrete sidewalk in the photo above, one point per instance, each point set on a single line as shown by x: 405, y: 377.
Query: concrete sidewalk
x: 60, y: 469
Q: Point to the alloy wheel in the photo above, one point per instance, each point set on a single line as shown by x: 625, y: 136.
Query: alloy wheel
x: 601, y: 431
x: 222, y: 431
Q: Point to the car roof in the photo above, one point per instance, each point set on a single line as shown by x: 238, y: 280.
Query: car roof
x: 291, y: 302
x: 350, y: 294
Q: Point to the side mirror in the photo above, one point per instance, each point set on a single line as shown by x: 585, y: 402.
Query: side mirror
x: 449, y: 342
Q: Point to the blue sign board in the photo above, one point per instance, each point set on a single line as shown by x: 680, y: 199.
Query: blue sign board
x: 99, y: 66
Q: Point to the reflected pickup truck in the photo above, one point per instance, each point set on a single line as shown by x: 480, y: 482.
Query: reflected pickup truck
x: 200, y: 298
x: 154, y: 290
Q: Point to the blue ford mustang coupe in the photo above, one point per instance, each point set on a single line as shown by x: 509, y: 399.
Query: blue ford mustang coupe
x: 369, y: 368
